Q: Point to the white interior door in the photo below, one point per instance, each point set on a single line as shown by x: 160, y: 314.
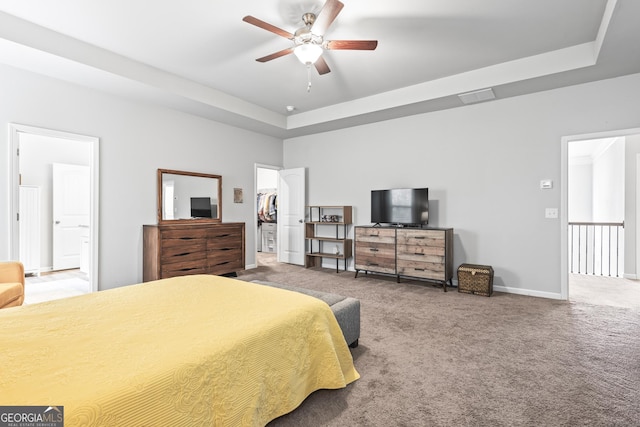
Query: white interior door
x: 291, y: 202
x: 71, y: 207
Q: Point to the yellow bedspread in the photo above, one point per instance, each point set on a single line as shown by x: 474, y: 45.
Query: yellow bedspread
x: 189, y: 351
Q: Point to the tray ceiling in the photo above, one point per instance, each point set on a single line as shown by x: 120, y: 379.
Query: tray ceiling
x: 199, y: 56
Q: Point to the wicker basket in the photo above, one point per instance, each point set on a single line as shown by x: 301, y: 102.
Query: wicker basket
x: 475, y: 279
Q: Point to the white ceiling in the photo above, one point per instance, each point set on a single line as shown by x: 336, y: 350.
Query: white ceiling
x: 199, y: 56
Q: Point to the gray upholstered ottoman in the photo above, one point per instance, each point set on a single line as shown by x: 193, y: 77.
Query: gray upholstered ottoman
x: 346, y: 309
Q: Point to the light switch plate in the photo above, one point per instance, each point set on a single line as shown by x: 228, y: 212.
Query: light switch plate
x: 551, y: 213
x: 546, y: 184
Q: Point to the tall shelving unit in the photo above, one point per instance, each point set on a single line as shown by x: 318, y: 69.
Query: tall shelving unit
x: 326, y: 235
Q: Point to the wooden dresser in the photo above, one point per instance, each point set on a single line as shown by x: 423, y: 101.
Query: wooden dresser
x: 182, y: 249
x: 423, y: 253
x: 375, y: 249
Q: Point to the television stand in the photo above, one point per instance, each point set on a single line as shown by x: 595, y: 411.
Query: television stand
x: 418, y: 253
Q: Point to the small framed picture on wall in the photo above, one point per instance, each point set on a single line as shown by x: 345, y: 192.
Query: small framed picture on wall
x: 237, y: 195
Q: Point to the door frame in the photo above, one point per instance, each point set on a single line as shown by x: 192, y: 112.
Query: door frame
x: 14, y: 182
x: 255, y: 215
x: 564, y: 201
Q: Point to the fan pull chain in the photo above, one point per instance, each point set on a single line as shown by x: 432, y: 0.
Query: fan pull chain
x: 308, y: 78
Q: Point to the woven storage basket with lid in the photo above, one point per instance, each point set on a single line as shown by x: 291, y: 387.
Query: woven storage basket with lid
x: 475, y: 279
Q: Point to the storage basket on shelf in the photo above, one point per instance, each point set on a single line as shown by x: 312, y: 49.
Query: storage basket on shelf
x: 475, y: 279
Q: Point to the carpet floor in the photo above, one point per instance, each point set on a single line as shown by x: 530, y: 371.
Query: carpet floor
x: 429, y: 358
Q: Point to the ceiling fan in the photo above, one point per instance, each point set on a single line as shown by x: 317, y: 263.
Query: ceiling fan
x: 308, y: 41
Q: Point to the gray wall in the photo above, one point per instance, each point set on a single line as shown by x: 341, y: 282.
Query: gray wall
x: 135, y: 140
x: 483, y: 165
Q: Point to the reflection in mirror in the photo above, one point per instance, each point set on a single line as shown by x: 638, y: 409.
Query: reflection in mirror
x: 188, y: 196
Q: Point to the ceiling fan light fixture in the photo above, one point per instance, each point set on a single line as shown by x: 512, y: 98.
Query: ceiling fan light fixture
x: 308, y: 53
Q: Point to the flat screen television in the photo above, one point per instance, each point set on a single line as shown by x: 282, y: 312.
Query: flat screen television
x: 201, y: 207
x: 400, y: 206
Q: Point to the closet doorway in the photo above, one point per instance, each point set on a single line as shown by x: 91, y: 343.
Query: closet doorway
x: 266, y: 208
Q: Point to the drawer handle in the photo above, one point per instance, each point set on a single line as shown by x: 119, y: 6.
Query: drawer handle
x: 226, y: 249
x: 419, y: 237
x: 372, y: 264
x: 224, y: 235
x: 373, y: 249
x: 373, y: 235
x: 186, y: 238
x: 418, y: 253
x: 419, y: 269
x: 184, y: 254
x: 187, y: 269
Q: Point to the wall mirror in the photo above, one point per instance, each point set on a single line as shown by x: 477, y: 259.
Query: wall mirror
x: 189, y: 197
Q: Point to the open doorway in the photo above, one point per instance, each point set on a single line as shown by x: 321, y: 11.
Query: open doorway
x: 599, y: 226
x: 266, y: 214
x: 54, y: 183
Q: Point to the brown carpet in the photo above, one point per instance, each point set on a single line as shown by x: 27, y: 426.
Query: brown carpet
x: 429, y: 358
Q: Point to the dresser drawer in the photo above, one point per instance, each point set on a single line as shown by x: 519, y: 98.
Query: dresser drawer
x: 424, y: 253
x: 379, y: 265
x: 225, y: 254
x: 184, y: 268
x: 175, y: 236
x: 224, y: 261
x: 376, y: 235
x: 382, y: 250
x: 376, y: 257
x: 187, y: 251
x: 224, y: 243
x: 425, y: 270
x: 225, y: 231
x: 224, y: 237
x: 269, y: 226
x: 421, y: 238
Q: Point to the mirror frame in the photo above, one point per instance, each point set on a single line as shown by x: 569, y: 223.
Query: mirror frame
x: 161, y: 173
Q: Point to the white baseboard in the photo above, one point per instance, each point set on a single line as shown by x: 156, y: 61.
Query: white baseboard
x: 630, y: 276
x: 250, y: 266
x: 528, y: 292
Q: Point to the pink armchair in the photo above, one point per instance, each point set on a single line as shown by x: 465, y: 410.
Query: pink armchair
x: 11, y: 284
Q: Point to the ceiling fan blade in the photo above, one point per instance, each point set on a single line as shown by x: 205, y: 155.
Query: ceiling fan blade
x: 321, y: 66
x: 351, y: 44
x: 325, y: 18
x: 278, y: 54
x: 266, y: 26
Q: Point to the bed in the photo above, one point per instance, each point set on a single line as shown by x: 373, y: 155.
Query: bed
x: 187, y: 351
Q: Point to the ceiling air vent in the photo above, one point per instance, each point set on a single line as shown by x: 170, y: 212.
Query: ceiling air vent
x: 477, y: 96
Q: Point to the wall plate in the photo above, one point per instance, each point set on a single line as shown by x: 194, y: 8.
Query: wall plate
x: 546, y: 184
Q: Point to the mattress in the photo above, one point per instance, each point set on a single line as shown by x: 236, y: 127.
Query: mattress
x: 187, y: 351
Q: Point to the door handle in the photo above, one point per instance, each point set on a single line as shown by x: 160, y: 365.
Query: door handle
x: 57, y: 222
x: 300, y: 221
